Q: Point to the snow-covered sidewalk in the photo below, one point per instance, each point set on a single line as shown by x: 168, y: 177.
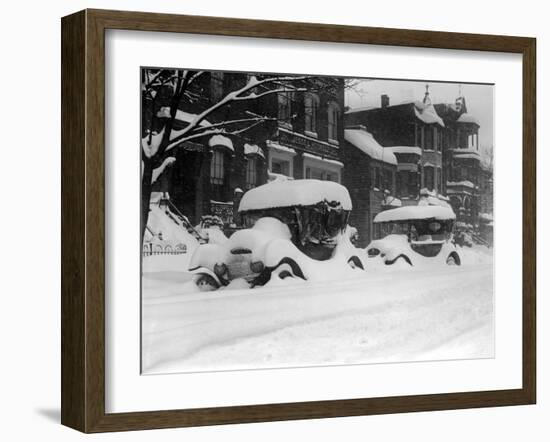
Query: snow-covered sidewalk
x: 387, y: 315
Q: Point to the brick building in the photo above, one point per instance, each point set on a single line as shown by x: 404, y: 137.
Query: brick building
x: 301, y: 140
x: 437, y: 151
x: 370, y: 177
x: 416, y: 134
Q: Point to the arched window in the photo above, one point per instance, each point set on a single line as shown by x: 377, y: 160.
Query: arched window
x: 251, y: 172
x: 311, y: 105
x: 217, y: 171
x: 333, y: 117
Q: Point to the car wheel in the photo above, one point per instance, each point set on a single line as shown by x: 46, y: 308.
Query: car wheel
x: 354, y: 262
x: 286, y: 268
x: 453, y: 260
x: 206, y: 283
x: 400, y: 258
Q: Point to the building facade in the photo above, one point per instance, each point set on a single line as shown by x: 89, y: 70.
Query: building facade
x: 437, y: 151
x: 370, y: 177
x: 299, y: 137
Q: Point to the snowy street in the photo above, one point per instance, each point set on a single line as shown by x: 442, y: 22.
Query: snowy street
x: 387, y: 314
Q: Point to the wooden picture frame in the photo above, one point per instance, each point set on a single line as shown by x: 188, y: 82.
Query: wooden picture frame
x: 83, y: 220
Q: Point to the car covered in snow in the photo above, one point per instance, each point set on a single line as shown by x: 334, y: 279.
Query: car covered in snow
x: 415, y: 235
x: 292, y: 229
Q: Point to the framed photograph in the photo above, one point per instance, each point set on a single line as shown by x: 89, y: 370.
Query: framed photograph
x: 267, y: 221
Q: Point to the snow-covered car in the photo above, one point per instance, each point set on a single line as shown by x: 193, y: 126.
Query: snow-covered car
x: 416, y: 235
x: 293, y: 229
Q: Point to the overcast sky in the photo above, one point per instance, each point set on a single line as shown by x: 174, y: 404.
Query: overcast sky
x: 479, y: 99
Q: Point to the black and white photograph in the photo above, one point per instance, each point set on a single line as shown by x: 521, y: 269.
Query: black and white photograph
x: 298, y: 220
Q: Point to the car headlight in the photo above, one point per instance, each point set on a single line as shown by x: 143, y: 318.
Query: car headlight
x: 220, y: 269
x: 373, y: 252
x: 257, y: 266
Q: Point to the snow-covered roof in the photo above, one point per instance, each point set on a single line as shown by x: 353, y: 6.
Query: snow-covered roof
x: 325, y: 160
x: 280, y: 147
x: 365, y: 142
x: 465, y: 183
x: 186, y: 117
x: 433, y: 201
x: 253, y: 149
x: 467, y: 153
x: 406, y: 149
x: 272, y: 176
x: 407, y: 167
x: 287, y: 193
x: 486, y: 216
x: 220, y: 140
x: 392, y: 202
x: 427, y: 113
x: 359, y: 109
x: 467, y: 118
x: 415, y: 212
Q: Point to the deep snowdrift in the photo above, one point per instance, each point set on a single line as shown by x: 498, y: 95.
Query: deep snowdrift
x: 394, y: 314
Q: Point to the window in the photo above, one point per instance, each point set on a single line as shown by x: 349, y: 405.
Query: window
x: 251, y: 173
x: 388, y: 180
x: 429, y: 138
x: 217, y: 172
x: 439, y: 180
x: 216, y: 85
x: 418, y: 135
x: 321, y: 174
x: 284, y: 107
x: 333, y: 115
x: 429, y: 177
x: 280, y: 166
x: 311, y: 105
x: 377, y: 178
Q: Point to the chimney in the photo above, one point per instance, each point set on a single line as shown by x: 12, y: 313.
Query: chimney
x: 384, y: 100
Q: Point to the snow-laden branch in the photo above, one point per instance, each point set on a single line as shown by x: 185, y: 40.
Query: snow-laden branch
x: 158, y: 171
x: 237, y: 95
x: 178, y: 138
x: 151, y: 143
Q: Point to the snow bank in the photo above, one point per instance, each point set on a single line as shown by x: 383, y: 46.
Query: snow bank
x: 365, y: 142
x: 415, y: 212
x: 163, y: 221
x: 424, y: 314
x: 281, y: 193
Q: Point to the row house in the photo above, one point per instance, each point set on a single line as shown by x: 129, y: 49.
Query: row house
x: 437, y: 151
x: 462, y: 160
x: 309, y: 132
x: 300, y: 137
x: 416, y: 135
x: 370, y: 177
